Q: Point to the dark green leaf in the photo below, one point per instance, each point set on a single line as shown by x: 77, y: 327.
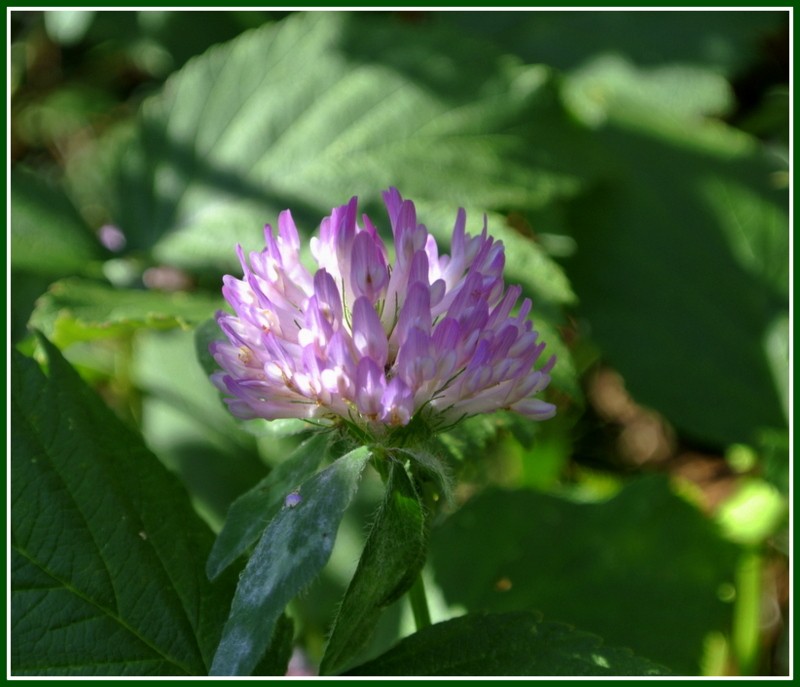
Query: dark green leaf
x: 723, y: 42
x: 107, y: 552
x: 431, y: 467
x: 79, y: 310
x: 291, y: 553
x: 682, y: 269
x: 505, y: 644
x: 393, y: 557
x: 204, y: 334
x: 250, y: 514
x: 276, y: 660
x: 49, y: 240
x: 24, y: 292
x: 48, y: 236
x: 645, y: 558
x: 775, y: 448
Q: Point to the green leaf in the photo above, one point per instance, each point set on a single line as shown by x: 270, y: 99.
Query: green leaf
x: 27, y: 288
x: 370, y: 113
x: 79, y: 310
x: 775, y: 448
x: 49, y: 239
x: 643, y: 559
x: 218, y: 155
x: 67, y: 27
x: 721, y: 41
x: 393, y: 556
x: 675, y: 91
x: 430, y: 467
x: 681, y: 270
x: 184, y: 421
x: 276, y: 660
x: 504, y: 644
x: 48, y: 236
x: 250, y: 514
x: 290, y: 554
x: 204, y: 334
x: 754, y: 222
x: 107, y: 552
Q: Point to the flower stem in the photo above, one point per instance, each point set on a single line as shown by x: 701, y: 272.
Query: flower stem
x: 747, y: 611
x: 419, y: 603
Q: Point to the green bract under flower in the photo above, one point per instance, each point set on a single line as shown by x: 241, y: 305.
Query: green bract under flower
x: 374, y: 343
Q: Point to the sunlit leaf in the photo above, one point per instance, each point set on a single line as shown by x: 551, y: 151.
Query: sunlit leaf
x: 67, y: 27
x: 80, y: 310
x: 670, y: 91
x: 219, y: 153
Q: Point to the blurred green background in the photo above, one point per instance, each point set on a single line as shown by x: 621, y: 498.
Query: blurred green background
x: 635, y: 164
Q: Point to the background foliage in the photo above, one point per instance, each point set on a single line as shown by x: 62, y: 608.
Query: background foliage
x: 639, y: 184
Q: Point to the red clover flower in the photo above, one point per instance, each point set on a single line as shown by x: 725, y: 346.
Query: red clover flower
x: 375, y: 343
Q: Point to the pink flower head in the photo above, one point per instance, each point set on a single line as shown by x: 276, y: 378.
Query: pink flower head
x: 374, y: 342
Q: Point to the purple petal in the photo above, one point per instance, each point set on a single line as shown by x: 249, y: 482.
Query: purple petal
x: 398, y: 404
x: 415, y: 363
x: 369, y: 337
x: 368, y: 272
x: 416, y: 312
x: 370, y: 385
x: 535, y: 408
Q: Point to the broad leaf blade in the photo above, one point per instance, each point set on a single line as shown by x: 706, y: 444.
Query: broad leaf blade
x: 505, y: 644
x: 49, y: 239
x: 80, y: 310
x: 681, y: 266
x: 48, y: 236
x: 644, y: 558
x: 217, y: 154
x: 190, y: 429
x: 720, y: 41
x: 291, y: 553
x: 107, y: 551
x: 393, y: 557
x: 250, y: 514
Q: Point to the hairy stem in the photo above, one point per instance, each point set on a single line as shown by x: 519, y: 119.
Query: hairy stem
x: 419, y: 603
